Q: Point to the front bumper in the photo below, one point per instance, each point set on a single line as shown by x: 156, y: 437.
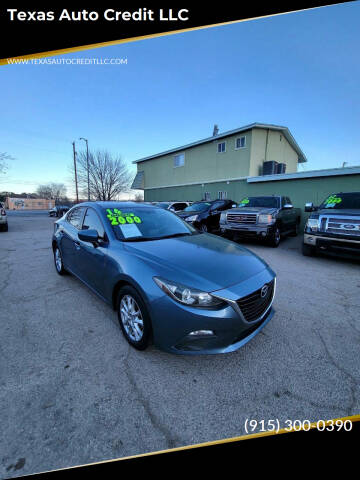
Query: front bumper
x: 172, y: 322
x: 258, y: 231
x: 333, y: 244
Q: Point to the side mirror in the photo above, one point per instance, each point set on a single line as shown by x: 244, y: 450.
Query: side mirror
x: 287, y: 206
x: 309, y: 207
x: 90, y: 236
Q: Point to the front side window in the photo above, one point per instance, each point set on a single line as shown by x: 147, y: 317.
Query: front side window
x: 179, y: 160
x: 93, y: 222
x: 146, y: 224
x: 221, y: 147
x: 75, y: 217
x: 240, y: 142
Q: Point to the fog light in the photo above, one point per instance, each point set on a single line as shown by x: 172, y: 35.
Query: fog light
x: 201, y: 333
x: 263, y: 234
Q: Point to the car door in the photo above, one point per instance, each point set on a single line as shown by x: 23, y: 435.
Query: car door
x: 92, y: 258
x: 214, y: 214
x: 69, y: 241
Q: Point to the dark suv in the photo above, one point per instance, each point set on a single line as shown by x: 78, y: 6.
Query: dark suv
x: 205, y: 216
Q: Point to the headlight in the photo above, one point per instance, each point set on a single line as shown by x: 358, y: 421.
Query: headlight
x: 193, y: 218
x: 223, y: 218
x: 312, y: 224
x: 186, y: 295
x: 266, y: 219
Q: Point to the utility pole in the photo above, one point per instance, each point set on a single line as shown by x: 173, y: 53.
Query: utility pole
x: 76, y: 183
x: 87, y: 163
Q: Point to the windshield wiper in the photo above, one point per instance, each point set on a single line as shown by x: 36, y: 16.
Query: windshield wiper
x: 146, y: 239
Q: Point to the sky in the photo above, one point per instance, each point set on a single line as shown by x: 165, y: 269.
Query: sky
x: 301, y: 70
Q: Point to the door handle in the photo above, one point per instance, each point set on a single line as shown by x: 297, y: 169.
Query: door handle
x: 77, y: 245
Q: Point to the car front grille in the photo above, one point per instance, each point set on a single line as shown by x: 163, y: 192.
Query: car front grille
x: 241, y: 218
x: 254, y: 305
x: 341, y: 225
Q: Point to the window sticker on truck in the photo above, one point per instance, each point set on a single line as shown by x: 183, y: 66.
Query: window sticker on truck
x: 244, y: 202
x: 117, y: 217
x: 331, y: 201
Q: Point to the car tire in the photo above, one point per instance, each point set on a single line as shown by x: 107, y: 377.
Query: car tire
x: 274, y: 240
x: 133, y: 318
x: 203, y: 228
x: 308, y: 250
x: 6, y: 227
x: 59, y: 266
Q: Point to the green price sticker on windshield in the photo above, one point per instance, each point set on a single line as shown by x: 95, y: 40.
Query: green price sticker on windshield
x: 244, y: 201
x: 117, y: 217
x: 332, y: 201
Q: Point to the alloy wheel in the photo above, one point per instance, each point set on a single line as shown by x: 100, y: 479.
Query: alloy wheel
x: 131, y: 318
x: 58, y: 261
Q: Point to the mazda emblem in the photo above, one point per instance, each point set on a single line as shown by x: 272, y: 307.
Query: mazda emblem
x: 264, y: 291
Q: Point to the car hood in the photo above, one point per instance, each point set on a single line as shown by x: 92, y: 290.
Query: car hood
x: 202, y: 261
x: 343, y: 212
x: 256, y: 210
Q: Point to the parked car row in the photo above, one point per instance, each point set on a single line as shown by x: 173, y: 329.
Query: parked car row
x: 264, y: 217
x: 333, y: 227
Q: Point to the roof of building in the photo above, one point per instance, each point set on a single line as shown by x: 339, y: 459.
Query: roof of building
x: 328, y: 172
x: 286, y: 132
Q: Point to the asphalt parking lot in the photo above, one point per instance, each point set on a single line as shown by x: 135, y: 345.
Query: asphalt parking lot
x: 72, y: 391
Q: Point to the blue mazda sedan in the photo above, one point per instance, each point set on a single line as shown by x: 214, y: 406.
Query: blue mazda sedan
x: 186, y: 291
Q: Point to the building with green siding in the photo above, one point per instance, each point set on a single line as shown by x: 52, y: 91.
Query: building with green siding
x: 230, y: 165
x: 229, y: 156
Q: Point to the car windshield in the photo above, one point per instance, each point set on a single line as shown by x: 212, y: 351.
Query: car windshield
x: 145, y: 224
x: 197, y: 207
x: 267, y: 202
x: 341, y: 201
x: 163, y: 204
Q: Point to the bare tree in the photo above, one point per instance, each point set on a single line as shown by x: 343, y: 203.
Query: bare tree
x: 56, y: 191
x: 3, y: 161
x: 109, y: 176
x: 139, y: 197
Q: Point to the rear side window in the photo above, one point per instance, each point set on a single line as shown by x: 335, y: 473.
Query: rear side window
x: 75, y: 217
x: 93, y: 222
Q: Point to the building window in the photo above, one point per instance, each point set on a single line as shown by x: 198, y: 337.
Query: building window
x: 221, y: 147
x: 207, y: 196
x: 179, y: 160
x: 222, y: 195
x: 240, y: 142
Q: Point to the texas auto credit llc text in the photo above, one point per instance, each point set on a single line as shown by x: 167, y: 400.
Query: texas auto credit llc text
x: 110, y: 15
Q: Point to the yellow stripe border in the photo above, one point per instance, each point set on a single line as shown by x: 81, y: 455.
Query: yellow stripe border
x: 313, y: 425
x: 64, y: 51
